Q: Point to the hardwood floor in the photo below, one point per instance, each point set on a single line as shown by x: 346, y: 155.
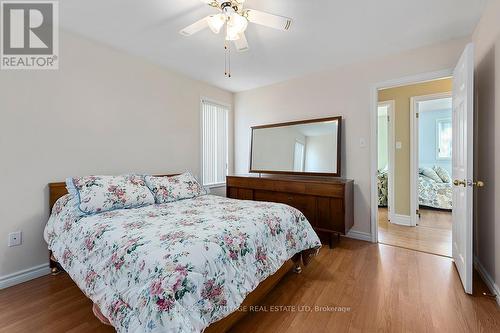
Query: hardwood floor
x: 381, y: 288
x: 432, y: 235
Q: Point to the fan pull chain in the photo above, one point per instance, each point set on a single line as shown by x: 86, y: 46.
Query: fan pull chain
x: 229, y: 59
x: 225, y: 58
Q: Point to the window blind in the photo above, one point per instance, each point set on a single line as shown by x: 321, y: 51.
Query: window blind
x: 214, y: 122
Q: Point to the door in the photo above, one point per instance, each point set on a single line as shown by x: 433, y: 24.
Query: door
x: 462, y: 164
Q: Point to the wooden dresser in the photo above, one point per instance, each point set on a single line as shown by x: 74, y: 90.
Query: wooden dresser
x: 327, y: 202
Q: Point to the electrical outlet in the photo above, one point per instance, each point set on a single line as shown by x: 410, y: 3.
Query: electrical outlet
x: 15, y: 238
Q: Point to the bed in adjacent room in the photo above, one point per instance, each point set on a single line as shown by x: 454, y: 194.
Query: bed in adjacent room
x: 434, y: 188
x: 175, y: 259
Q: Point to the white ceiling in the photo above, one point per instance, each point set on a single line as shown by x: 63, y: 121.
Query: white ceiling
x: 324, y: 34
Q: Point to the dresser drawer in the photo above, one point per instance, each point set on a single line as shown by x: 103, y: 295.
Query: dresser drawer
x: 306, y: 204
x: 327, y: 203
x: 330, y: 215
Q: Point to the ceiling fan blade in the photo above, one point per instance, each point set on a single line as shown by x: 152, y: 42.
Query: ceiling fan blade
x: 241, y: 43
x: 268, y: 20
x: 209, y: 2
x: 195, y: 27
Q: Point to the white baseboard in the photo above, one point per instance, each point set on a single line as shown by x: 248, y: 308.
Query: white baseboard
x: 360, y: 235
x: 490, y: 283
x: 401, y: 219
x: 24, y: 275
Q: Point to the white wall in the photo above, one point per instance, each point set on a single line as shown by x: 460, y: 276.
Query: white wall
x: 487, y: 75
x: 274, y: 148
x: 383, y: 142
x: 427, y: 139
x: 320, y: 153
x: 344, y: 91
x: 102, y: 112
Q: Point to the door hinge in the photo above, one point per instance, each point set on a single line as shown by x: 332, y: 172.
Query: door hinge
x: 416, y: 114
x: 388, y: 118
x: 418, y: 213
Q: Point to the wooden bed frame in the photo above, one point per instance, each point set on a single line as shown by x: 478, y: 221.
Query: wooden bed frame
x: 57, y: 190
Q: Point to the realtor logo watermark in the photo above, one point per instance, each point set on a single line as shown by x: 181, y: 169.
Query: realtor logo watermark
x: 30, y: 35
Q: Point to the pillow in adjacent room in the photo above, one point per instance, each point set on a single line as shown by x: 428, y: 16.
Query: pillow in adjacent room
x: 442, y: 173
x: 430, y: 173
x: 173, y: 188
x: 97, y: 194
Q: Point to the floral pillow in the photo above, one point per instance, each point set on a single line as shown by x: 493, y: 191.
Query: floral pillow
x: 430, y: 173
x: 168, y: 189
x: 442, y: 173
x: 98, y: 194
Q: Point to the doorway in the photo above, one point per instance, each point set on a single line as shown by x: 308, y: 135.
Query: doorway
x: 385, y: 162
x: 464, y: 184
x: 431, y: 168
x: 415, y: 193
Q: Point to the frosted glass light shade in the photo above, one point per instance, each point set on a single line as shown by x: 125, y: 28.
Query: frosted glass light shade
x: 216, y: 22
x: 236, y: 24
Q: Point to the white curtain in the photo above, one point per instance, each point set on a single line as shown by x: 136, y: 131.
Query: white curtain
x: 298, y: 160
x: 214, y: 143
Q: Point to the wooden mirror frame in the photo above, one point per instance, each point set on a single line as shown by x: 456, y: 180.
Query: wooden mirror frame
x: 300, y: 122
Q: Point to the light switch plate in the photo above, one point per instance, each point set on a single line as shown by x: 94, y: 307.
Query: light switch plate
x: 15, y: 238
x: 399, y: 145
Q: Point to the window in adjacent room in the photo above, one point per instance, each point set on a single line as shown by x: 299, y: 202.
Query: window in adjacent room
x: 443, y: 139
x: 214, y: 123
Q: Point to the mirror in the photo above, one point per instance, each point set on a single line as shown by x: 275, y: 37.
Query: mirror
x: 309, y: 147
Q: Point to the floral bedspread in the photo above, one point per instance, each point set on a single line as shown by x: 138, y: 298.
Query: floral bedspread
x: 434, y: 194
x: 383, y: 188
x: 175, y: 267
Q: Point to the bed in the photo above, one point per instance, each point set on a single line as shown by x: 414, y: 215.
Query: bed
x: 183, y: 266
x: 435, y: 194
x: 432, y: 192
x: 382, y: 185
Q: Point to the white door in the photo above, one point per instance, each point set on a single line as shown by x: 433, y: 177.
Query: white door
x: 462, y: 161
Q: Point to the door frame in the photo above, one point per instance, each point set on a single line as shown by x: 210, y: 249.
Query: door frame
x: 391, y: 138
x: 414, y: 149
x: 429, y: 76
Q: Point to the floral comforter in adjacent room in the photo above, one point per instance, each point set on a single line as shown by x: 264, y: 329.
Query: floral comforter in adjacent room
x: 175, y: 267
x: 383, y: 188
x: 434, y: 194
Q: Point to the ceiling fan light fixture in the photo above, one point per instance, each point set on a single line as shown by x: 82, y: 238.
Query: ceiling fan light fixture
x: 236, y: 25
x: 232, y: 36
x: 216, y: 22
x: 235, y: 19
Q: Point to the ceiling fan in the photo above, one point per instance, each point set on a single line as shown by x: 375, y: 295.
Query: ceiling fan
x: 234, y: 19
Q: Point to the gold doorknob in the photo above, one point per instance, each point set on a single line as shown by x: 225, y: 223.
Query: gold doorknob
x: 457, y: 182
x: 479, y: 183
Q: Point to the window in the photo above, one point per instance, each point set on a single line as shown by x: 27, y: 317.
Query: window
x: 214, y: 143
x: 443, y: 138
